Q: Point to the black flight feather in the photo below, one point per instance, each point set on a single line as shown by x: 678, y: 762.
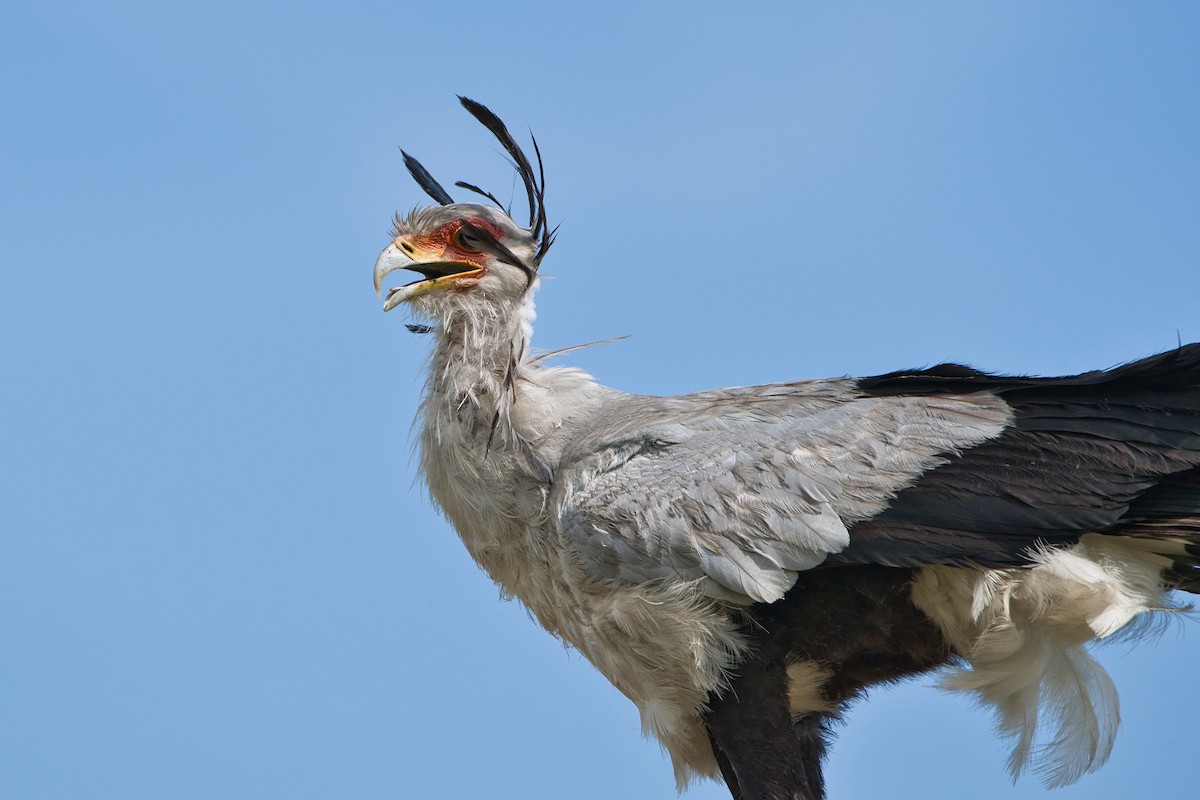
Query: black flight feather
x: 1113, y: 451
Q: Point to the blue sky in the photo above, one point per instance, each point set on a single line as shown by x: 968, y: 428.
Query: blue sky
x: 217, y: 577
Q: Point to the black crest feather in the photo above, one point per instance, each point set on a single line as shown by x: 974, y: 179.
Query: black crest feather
x: 493, y: 123
x: 535, y: 182
x: 426, y: 181
x: 470, y: 187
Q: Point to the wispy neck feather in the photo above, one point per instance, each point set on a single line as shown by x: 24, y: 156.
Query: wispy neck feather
x: 479, y: 344
x: 473, y: 379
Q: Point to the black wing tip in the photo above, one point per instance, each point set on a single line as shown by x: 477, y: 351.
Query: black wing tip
x: 948, y: 377
x: 1177, y: 369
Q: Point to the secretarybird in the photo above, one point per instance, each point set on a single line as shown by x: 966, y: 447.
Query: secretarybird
x: 744, y: 563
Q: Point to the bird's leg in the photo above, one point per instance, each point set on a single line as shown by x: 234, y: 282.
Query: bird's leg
x: 727, y: 772
x: 762, y: 755
x: 836, y: 633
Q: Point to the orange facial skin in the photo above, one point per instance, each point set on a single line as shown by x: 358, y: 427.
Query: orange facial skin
x: 449, y: 258
x: 443, y: 243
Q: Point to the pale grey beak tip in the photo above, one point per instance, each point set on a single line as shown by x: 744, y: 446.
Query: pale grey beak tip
x: 389, y: 260
x: 395, y: 297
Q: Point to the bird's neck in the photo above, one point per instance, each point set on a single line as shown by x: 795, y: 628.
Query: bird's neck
x: 476, y: 361
x: 489, y: 410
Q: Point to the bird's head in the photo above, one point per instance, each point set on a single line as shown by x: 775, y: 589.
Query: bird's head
x: 467, y: 253
x: 458, y: 248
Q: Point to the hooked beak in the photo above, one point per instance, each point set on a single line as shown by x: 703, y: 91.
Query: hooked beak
x: 390, y: 260
x: 438, y: 273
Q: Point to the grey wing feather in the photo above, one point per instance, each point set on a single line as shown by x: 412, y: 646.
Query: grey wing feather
x: 742, y: 489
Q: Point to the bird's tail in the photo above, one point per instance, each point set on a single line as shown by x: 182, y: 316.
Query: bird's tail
x: 1165, y: 521
x: 1023, y: 634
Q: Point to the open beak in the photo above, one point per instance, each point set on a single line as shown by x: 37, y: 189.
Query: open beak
x: 437, y: 273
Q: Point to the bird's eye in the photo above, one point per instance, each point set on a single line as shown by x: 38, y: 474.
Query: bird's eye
x: 468, y: 240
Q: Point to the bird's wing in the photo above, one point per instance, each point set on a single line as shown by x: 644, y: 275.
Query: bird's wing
x: 741, y: 489
x: 1113, y: 451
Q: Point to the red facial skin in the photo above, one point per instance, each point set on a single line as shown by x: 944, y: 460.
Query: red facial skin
x: 443, y: 242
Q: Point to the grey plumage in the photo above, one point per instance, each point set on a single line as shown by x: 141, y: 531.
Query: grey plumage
x: 743, y: 563
x: 743, y: 488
